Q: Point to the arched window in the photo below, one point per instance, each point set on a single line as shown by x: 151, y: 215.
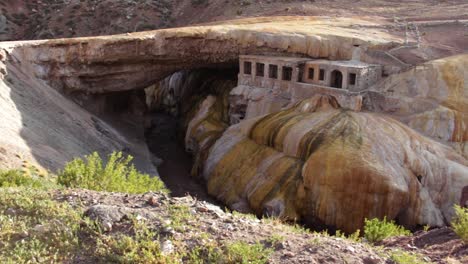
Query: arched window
x: 336, y: 79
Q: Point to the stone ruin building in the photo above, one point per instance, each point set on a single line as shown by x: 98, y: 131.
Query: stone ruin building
x: 290, y: 72
x: 267, y: 84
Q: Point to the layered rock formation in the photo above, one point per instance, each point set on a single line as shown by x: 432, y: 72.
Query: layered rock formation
x: 431, y: 98
x: 138, y: 60
x: 40, y: 126
x: 324, y: 165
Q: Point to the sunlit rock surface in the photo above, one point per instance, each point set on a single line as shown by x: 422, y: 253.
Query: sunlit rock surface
x: 431, y: 98
x: 138, y: 60
x: 106, y: 64
x: 325, y: 165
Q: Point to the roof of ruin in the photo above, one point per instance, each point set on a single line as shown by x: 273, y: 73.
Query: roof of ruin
x: 344, y: 63
x: 275, y: 58
x: 349, y: 63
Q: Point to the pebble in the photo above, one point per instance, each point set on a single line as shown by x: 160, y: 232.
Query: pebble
x: 350, y: 249
x: 139, y: 218
x: 411, y: 246
x: 41, y: 229
x: 107, y: 226
x: 167, y: 247
x: 212, y: 229
x: 153, y: 201
x: 24, y: 234
x: 10, y: 212
x: 280, y: 245
x: 370, y: 260
x: 228, y: 227
x: 168, y: 230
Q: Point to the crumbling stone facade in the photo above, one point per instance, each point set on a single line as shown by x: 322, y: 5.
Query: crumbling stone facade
x: 288, y: 72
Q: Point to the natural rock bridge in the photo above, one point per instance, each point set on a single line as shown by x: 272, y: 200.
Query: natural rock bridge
x: 390, y: 156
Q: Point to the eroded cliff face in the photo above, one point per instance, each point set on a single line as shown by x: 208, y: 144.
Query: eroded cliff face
x: 138, y: 60
x: 325, y: 165
x: 41, y: 127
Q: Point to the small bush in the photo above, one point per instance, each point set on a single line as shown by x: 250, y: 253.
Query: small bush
x: 142, y: 246
x: 241, y: 252
x: 17, y: 178
x: 36, y: 229
x: 180, y: 214
x: 116, y: 176
x: 400, y: 257
x: 206, y: 254
x: 376, y: 230
x: 274, y: 240
x: 356, y: 236
x: 460, y: 223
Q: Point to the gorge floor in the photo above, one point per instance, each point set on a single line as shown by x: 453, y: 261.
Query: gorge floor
x: 175, y: 170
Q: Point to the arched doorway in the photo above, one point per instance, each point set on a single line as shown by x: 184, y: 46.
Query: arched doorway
x: 336, y: 79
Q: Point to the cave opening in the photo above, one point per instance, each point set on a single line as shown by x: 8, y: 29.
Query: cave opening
x: 172, y: 104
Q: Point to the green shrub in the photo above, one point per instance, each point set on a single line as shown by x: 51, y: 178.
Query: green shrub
x: 233, y: 253
x: 206, y: 254
x: 17, y: 178
x: 241, y: 252
x: 275, y: 240
x: 179, y: 214
x: 115, y: 176
x: 460, y: 223
x: 141, y: 246
x: 356, y: 236
x: 36, y: 229
x: 376, y: 230
x: 401, y: 257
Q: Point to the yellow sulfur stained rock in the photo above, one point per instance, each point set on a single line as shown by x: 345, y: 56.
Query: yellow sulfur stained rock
x: 325, y: 165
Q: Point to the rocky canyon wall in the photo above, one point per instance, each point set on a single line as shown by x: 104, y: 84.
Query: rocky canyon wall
x: 317, y: 159
x: 41, y: 127
x: 138, y: 60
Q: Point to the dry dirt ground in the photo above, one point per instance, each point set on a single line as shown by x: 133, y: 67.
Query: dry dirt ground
x: 200, y: 223
x: 438, y: 244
